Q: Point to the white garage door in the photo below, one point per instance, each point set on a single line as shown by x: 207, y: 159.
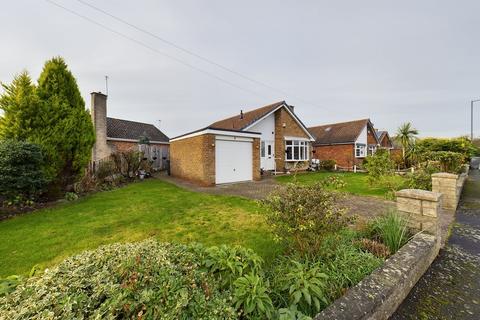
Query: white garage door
x: 233, y: 161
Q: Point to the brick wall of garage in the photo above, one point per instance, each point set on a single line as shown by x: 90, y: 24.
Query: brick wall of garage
x: 193, y: 159
x: 256, y: 159
x: 292, y: 128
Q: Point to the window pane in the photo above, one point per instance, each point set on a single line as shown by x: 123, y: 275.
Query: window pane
x: 288, y: 155
x: 289, y: 142
x: 296, y: 153
x: 262, y: 149
x: 269, y: 150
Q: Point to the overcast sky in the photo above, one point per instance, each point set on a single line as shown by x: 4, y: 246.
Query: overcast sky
x: 391, y: 61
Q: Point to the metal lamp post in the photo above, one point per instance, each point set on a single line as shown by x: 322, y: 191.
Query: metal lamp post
x: 471, y: 117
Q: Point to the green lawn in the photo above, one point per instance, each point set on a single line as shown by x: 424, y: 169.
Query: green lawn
x: 357, y: 183
x: 152, y: 208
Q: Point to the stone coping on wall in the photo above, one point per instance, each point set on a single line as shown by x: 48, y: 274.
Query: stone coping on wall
x: 379, y: 294
x: 419, y: 194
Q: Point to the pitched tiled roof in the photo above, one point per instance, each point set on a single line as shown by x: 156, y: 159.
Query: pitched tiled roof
x: 337, y: 133
x: 131, y: 130
x: 239, y: 123
x: 381, y: 135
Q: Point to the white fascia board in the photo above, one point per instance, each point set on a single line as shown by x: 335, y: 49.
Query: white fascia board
x: 296, y: 138
x: 133, y: 140
x: 220, y: 133
x: 290, y: 112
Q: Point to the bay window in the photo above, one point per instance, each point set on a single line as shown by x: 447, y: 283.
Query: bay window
x: 359, y: 150
x: 296, y: 150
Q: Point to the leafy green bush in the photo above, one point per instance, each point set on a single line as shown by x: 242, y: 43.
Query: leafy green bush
x: 461, y: 145
x: 379, y: 164
x: 251, y: 297
x: 301, y: 284
x: 449, y: 161
x: 229, y: 263
x: 334, y: 182
x: 421, y: 178
x: 21, y: 170
x: 328, y: 165
x: 302, y: 215
x: 392, y: 230
x: 123, y: 281
x: 71, y: 196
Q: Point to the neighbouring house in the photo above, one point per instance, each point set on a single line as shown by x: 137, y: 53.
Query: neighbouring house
x: 348, y: 143
x: 384, y: 139
x: 117, y: 135
x: 240, y: 148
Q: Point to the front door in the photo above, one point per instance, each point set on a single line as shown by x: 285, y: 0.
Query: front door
x: 267, y: 155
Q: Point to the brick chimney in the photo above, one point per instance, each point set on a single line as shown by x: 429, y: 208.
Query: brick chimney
x: 98, y: 112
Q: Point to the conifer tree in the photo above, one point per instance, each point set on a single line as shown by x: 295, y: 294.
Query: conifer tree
x: 21, y: 114
x: 67, y: 136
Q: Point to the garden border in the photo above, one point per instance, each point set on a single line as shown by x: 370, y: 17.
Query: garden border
x: 379, y: 294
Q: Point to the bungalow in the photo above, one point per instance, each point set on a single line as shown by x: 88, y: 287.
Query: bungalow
x: 117, y: 135
x: 384, y: 139
x: 240, y: 148
x: 348, y: 143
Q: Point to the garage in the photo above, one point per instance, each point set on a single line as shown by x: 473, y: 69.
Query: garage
x: 213, y: 156
x: 233, y: 159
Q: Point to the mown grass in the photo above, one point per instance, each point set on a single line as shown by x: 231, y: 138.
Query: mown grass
x: 152, y: 208
x: 357, y: 183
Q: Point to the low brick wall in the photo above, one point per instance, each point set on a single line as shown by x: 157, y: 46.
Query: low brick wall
x: 451, y: 186
x: 421, y: 207
x: 379, y: 294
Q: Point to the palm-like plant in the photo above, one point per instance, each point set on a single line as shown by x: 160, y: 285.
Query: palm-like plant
x: 406, y: 135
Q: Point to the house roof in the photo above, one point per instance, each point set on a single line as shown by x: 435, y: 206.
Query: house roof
x: 239, y: 123
x: 131, y: 130
x: 338, y: 133
x: 381, y: 134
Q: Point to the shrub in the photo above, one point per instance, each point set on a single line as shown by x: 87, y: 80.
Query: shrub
x: 229, y: 263
x: 328, y: 165
x: 461, y: 145
x: 302, y: 215
x: 333, y: 181
x: 105, y: 169
x: 128, y: 162
x: 449, y: 161
x: 421, y: 178
x: 251, y: 297
x: 379, y: 164
x: 303, y: 284
x: 71, y: 196
x: 392, y: 230
x: 21, y: 171
x: 123, y: 281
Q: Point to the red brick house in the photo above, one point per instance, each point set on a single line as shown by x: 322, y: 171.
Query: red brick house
x: 384, y: 140
x: 348, y: 143
x: 117, y: 135
x: 239, y: 148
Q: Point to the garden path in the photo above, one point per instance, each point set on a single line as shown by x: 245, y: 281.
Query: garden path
x: 450, y: 289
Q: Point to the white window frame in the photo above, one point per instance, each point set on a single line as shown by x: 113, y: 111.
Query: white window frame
x: 360, y: 150
x: 372, y: 149
x: 301, y: 155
